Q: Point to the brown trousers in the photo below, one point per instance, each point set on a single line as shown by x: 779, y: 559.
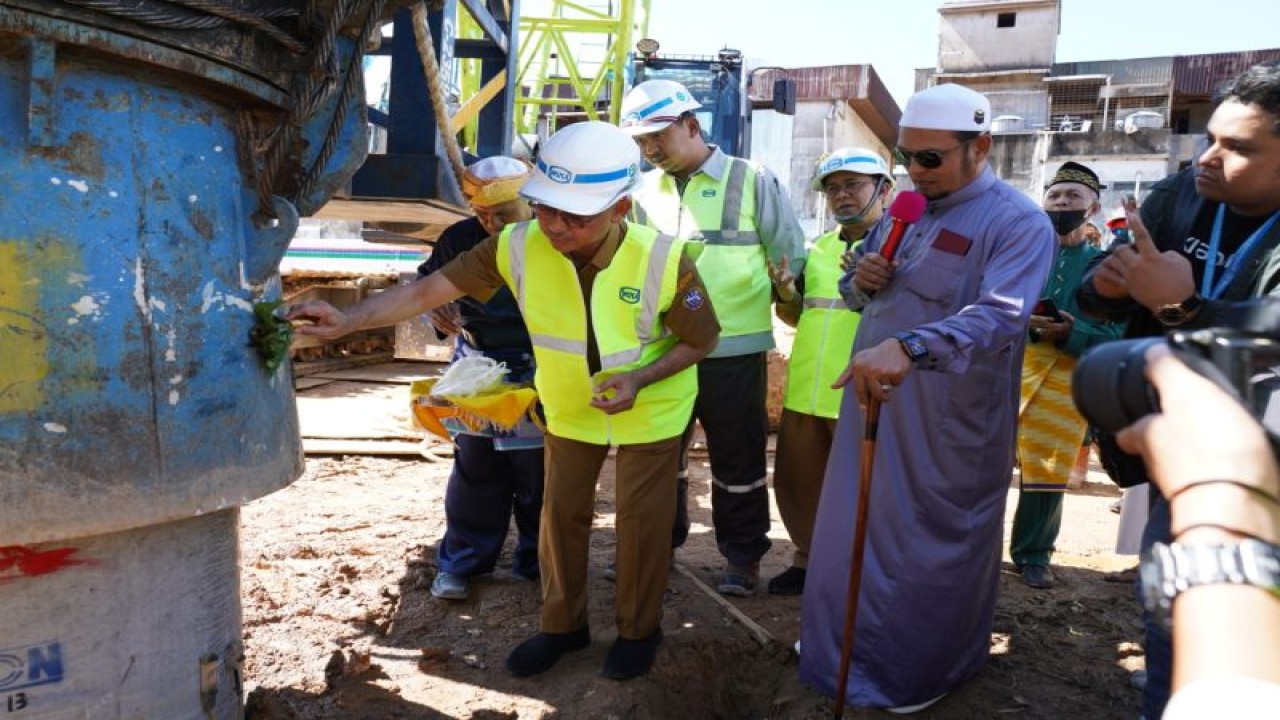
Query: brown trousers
x: 646, y: 505
x: 804, y: 441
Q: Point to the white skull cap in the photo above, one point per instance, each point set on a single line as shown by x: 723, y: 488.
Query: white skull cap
x: 947, y: 107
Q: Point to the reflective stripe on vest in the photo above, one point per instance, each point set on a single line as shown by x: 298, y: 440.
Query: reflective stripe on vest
x: 629, y: 298
x: 824, y: 334
x: 721, y: 215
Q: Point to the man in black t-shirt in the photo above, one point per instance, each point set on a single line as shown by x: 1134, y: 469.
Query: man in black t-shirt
x: 1214, y: 239
x: 497, y: 473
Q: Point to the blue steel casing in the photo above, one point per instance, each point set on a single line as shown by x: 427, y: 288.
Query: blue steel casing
x: 129, y: 264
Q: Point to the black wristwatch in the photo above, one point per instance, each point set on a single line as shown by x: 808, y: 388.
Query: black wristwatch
x: 913, y: 345
x: 1178, y: 314
x: 1174, y: 568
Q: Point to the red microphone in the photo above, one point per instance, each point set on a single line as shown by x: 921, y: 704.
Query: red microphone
x: 907, y: 208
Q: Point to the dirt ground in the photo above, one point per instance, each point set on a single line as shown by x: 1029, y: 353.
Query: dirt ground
x: 338, y: 621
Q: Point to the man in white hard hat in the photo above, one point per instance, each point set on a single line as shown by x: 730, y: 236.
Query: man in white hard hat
x: 618, y: 317
x: 497, y: 472
x: 750, y: 236
x: 940, y: 347
x: 856, y: 183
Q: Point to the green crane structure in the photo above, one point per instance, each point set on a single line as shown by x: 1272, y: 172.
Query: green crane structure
x: 573, y: 63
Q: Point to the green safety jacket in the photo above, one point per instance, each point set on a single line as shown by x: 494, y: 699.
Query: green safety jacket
x: 824, y: 335
x: 733, y: 262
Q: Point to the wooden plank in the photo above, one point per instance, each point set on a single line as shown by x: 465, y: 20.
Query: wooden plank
x: 427, y: 212
x: 358, y: 411
x: 321, y: 367
x: 402, y: 372
x: 431, y: 450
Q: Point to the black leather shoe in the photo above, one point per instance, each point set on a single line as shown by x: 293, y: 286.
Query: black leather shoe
x: 788, y: 582
x: 1037, y: 576
x: 631, y: 658
x: 540, y: 652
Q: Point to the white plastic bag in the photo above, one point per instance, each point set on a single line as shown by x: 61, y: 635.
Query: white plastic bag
x: 470, y: 375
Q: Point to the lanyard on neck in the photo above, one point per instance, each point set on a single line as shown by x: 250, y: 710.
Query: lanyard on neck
x: 1207, y: 287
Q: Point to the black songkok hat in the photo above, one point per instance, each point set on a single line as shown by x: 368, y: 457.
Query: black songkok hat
x: 1076, y: 173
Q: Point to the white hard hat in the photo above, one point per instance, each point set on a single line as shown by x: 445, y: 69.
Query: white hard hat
x: 851, y: 159
x: 947, y: 107
x: 654, y: 104
x: 584, y: 169
x: 494, y: 180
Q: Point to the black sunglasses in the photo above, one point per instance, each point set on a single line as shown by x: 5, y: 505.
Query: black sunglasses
x: 927, y: 159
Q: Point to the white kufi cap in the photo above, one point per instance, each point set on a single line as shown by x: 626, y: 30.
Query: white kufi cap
x: 947, y: 107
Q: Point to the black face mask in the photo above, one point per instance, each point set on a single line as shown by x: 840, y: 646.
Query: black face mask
x: 1065, y: 221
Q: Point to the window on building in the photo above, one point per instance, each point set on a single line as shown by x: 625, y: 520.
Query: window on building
x: 1006, y: 19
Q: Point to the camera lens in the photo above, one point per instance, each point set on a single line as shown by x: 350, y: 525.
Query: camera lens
x: 1110, y: 387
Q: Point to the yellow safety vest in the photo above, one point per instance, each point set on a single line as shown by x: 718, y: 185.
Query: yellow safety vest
x: 824, y: 335
x: 721, y: 214
x: 628, y: 301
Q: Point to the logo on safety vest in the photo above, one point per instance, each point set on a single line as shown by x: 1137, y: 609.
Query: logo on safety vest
x: 629, y: 295
x: 559, y: 174
x: 694, y: 300
x: 710, y: 192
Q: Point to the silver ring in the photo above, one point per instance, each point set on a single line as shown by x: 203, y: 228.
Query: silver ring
x: 886, y: 387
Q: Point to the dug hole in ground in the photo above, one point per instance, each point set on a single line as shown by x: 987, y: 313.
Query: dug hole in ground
x: 339, y: 622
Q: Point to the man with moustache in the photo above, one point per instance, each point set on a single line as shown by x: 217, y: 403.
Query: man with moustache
x: 940, y: 346
x: 617, y: 316
x: 751, y: 244
x: 497, y: 472
x: 1214, y: 234
x: 856, y: 183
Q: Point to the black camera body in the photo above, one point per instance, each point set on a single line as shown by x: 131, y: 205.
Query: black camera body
x: 1111, y: 390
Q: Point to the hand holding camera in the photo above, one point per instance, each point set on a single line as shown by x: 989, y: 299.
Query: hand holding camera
x: 1201, y: 432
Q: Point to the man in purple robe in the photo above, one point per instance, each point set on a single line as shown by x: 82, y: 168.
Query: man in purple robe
x: 940, y: 347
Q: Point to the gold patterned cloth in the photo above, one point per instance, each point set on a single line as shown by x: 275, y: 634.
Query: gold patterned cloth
x: 1050, y: 430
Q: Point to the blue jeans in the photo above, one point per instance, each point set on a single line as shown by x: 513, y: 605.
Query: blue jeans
x: 1157, y: 644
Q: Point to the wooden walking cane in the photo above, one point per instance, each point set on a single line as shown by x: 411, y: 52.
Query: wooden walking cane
x: 867, y: 462
x: 906, y: 209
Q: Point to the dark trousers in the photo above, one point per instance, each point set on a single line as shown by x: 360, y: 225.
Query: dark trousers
x: 731, y: 409
x: 485, y: 489
x: 1036, y: 523
x: 1157, y: 644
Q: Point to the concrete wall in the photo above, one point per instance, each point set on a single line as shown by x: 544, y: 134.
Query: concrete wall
x: 818, y: 127
x: 970, y: 41
x: 1125, y: 163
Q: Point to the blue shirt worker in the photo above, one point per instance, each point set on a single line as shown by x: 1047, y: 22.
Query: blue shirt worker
x: 497, y: 472
x: 940, y: 347
x: 856, y: 183
x: 738, y: 212
x: 618, y: 317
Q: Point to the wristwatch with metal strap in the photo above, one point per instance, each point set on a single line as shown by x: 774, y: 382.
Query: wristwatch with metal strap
x: 1177, y: 567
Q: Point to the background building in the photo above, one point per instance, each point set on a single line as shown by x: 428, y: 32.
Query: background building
x: 1132, y: 120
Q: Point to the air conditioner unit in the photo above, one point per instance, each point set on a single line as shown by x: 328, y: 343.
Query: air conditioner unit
x: 1008, y: 123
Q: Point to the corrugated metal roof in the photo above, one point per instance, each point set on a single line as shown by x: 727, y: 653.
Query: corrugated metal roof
x: 1205, y: 74
x: 1132, y: 71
